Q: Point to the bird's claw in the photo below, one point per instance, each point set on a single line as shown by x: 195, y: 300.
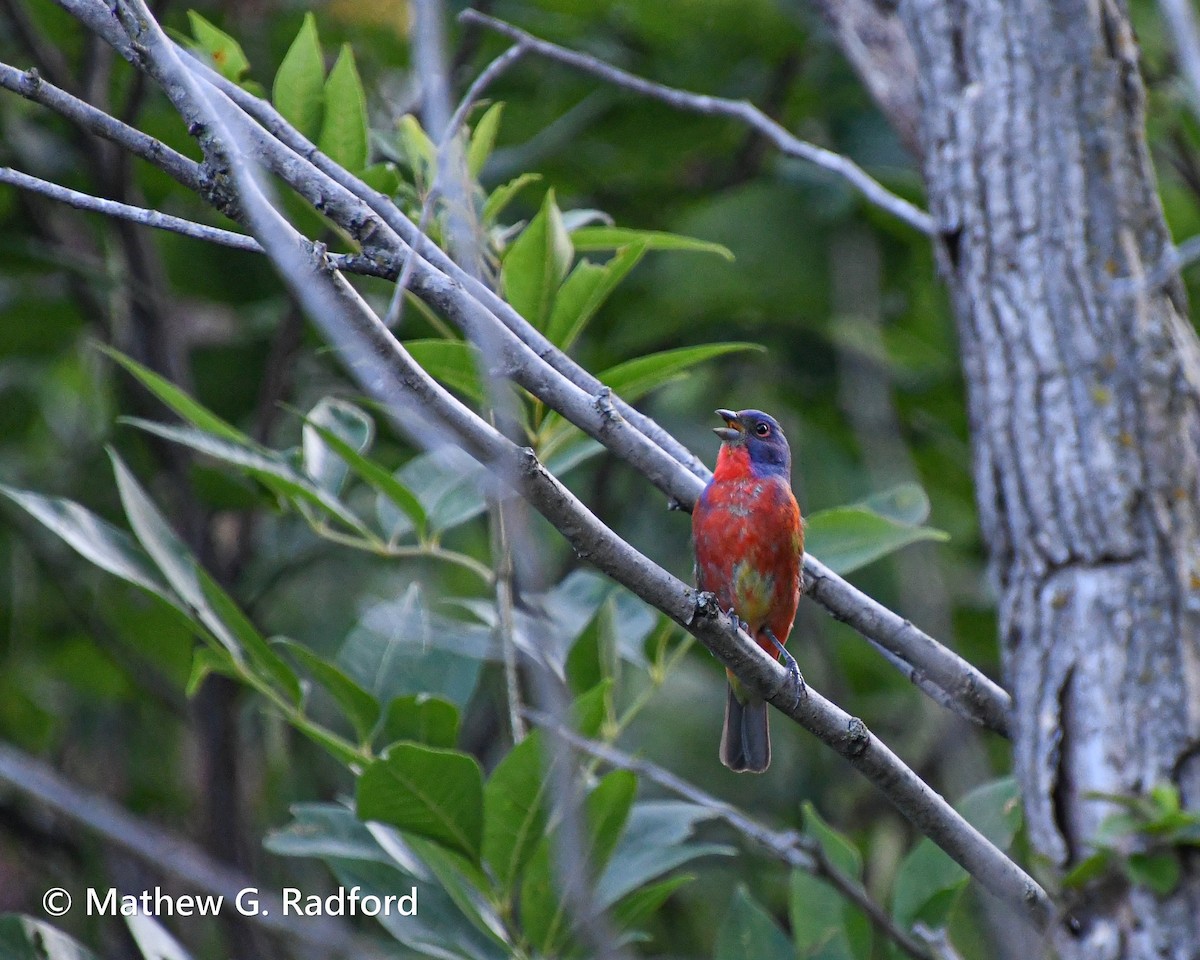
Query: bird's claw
x: 738, y: 622
x: 793, y: 669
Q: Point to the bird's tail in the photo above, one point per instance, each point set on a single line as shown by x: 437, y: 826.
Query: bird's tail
x: 746, y: 739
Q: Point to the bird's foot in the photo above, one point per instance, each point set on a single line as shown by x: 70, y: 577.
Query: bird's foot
x: 793, y: 669
x: 738, y: 622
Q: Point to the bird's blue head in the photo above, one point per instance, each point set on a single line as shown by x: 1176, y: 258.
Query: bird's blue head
x: 761, y: 436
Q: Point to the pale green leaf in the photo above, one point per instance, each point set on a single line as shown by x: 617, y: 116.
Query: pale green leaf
x: 225, y: 52
x: 587, y: 239
x: 344, y: 130
x: 635, y: 378
x: 483, y: 139
x: 536, y: 263
x: 299, y: 89
x: 584, y: 292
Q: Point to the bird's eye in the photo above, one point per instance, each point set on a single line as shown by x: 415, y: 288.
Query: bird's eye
x: 763, y: 430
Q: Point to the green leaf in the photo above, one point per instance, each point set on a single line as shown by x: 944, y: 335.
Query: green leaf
x: 818, y: 918
x: 170, y: 554
x: 1166, y: 798
x: 360, y: 708
x: 657, y: 838
x: 429, y: 792
x: 205, y: 661
x: 465, y: 884
x: 593, y: 655
x: 267, y: 664
x: 421, y: 718
x: 841, y: 852
x: 388, y: 486
x: 593, y: 708
x: 382, y: 177
x: 823, y: 924
x: 483, y: 139
x: 607, y: 809
x: 504, y: 194
x: 24, y: 938
x: 452, y: 362
x: 536, y: 264
x: 350, y: 424
x: 928, y: 882
x: 448, y: 483
x: 1159, y: 871
x: 344, y: 130
x: 400, y: 647
x: 540, y: 908
x: 584, y: 292
x: 437, y: 928
x: 635, y: 378
x: 514, y: 803
x: 906, y: 503
x: 642, y: 904
x: 418, y: 149
x: 750, y: 932
x: 1091, y: 868
x: 187, y: 408
x: 225, y: 52
x: 543, y: 912
x: 587, y: 239
x: 265, y: 466
x: 847, y: 538
x: 299, y: 89
x: 206, y: 602
x: 328, y: 831
x: 95, y: 539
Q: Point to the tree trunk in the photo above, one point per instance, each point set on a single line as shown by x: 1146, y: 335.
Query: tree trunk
x: 1085, y: 419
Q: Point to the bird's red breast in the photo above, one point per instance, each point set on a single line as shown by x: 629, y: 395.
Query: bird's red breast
x: 749, y: 543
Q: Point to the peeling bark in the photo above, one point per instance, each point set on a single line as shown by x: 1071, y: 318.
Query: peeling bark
x: 1085, y: 421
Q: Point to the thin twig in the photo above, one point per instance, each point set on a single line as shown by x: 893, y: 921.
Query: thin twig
x: 1180, y: 16
x: 1174, y: 260
x: 790, y: 846
x: 31, y: 86
x: 163, y: 221
x: 124, y: 211
x: 489, y: 75
x: 740, y: 110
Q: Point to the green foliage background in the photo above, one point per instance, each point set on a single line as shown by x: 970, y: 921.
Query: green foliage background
x: 93, y: 671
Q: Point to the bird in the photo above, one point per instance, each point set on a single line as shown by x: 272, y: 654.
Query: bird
x: 749, y: 541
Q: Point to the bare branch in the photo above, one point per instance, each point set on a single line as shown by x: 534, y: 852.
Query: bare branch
x: 1184, y: 32
x: 32, y: 87
x: 740, y: 110
x: 164, y: 221
x: 125, y: 211
x: 1174, y: 260
x: 162, y: 850
x: 790, y: 846
x: 972, y: 694
x: 486, y: 78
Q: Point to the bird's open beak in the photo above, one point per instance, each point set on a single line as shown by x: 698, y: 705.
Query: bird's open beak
x: 733, y: 431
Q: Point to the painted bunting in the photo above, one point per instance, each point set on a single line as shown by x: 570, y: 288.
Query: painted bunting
x: 749, y: 548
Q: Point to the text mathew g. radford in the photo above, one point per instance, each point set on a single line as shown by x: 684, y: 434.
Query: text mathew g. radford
x: 250, y: 902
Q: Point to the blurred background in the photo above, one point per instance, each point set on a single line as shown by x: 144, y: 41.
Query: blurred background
x: 859, y: 365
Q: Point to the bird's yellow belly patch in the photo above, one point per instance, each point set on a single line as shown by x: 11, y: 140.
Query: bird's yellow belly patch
x: 752, y: 593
